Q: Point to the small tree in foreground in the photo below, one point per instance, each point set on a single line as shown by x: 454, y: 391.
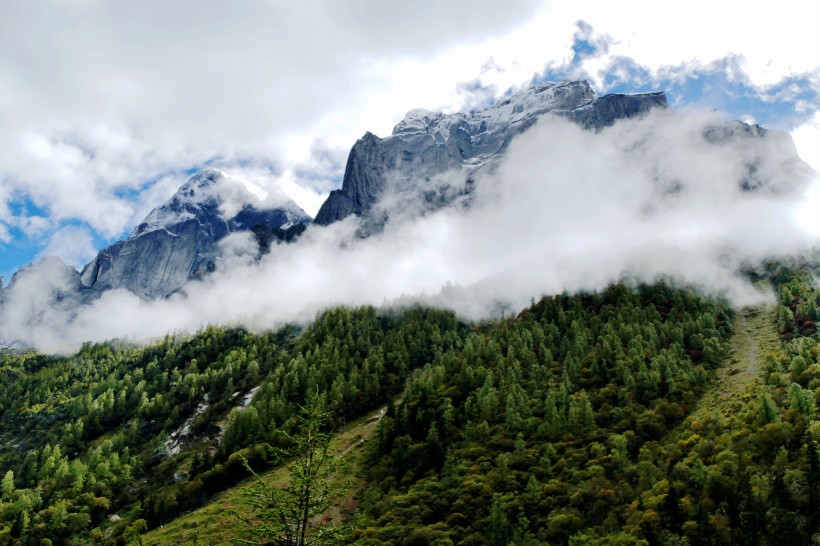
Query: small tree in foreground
x: 287, y: 515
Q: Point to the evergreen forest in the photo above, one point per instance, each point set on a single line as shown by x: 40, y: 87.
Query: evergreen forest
x: 640, y: 414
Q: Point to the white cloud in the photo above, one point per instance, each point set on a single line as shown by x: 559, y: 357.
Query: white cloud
x: 271, y: 189
x: 40, y: 303
x: 309, y: 199
x: 33, y: 226
x: 772, y: 37
x: 808, y: 213
x: 97, y: 98
x: 807, y: 140
x: 74, y: 245
x: 566, y: 210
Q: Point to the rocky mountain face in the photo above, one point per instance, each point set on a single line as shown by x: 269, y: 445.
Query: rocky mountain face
x: 427, y: 144
x: 430, y: 161
x: 179, y: 240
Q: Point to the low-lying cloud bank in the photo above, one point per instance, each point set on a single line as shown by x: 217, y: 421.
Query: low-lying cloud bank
x: 565, y: 210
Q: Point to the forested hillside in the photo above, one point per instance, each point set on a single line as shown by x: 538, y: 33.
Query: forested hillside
x: 618, y: 417
x: 147, y: 433
x: 546, y: 425
x: 602, y: 436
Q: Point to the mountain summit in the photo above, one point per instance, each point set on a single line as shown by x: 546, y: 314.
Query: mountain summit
x: 430, y: 161
x: 428, y: 144
x: 178, y: 241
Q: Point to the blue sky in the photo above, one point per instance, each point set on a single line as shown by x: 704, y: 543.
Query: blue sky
x: 722, y: 84
x: 105, y: 111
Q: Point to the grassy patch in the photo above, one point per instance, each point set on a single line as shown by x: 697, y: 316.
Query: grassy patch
x: 755, y: 337
x: 214, y: 522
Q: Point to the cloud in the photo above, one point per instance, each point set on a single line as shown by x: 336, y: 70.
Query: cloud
x: 105, y: 108
x: 33, y: 226
x: 566, y: 210
x: 806, y: 214
x: 807, y: 142
x: 724, y: 83
x: 73, y: 244
x: 41, y: 302
x: 99, y: 98
x: 807, y: 139
x: 272, y: 189
x: 771, y: 38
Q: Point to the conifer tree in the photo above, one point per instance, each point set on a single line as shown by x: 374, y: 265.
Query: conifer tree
x: 288, y: 515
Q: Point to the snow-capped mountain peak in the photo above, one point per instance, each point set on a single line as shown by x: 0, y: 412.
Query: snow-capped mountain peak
x: 426, y: 144
x: 531, y: 102
x: 208, y: 189
x: 179, y: 240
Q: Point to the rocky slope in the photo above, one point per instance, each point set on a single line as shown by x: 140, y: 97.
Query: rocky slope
x: 427, y: 144
x: 179, y: 240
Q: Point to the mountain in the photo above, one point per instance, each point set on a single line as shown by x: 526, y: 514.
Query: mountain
x: 179, y: 240
x: 430, y: 160
x: 632, y: 414
x: 625, y: 416
x: 427, y: 144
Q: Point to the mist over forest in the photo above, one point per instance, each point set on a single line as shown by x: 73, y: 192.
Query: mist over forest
x: 566, y: 210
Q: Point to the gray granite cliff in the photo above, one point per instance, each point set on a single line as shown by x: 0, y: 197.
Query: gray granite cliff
x: 425, y: 144
x: 178, y: 241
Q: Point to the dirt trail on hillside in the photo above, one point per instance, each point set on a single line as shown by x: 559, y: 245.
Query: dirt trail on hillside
x: 755, y: 336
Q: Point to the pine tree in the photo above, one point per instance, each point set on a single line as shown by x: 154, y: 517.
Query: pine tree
x: 8, y: 486
x: 287, y: 515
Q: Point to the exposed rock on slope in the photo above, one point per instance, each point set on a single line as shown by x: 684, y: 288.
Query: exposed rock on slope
x: 179, y: 240
x: 427, y: 144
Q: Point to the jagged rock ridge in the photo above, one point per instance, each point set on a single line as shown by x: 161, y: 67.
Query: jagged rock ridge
x: 178, y: 241
x: 426, y: 144
x: 430, y: 159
